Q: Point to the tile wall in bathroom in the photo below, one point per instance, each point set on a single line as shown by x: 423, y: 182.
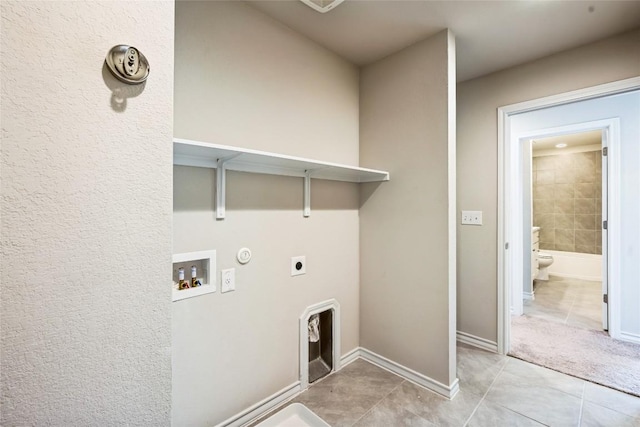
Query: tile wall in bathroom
x: 567, y: 201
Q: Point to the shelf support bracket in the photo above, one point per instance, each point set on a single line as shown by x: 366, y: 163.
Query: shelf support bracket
x: 307, y: 194
x: 221, y: 184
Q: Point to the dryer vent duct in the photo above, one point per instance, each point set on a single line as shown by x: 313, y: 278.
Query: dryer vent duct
x: 322, y: 6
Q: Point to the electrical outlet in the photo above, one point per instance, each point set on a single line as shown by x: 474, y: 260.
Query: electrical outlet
x: 298, y: 265
x: 228, y: 280
x: 472, y: 217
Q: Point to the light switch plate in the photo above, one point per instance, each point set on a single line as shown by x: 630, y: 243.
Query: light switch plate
x: 472, y: 217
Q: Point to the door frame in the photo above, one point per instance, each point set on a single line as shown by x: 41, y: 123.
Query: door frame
x: 610, y: 129
x: 510, y: 186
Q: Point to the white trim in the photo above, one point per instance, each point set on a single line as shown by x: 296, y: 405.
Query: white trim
x: 529, y: 296
x: 611, y: 274
x: 515, y: 196
x: 478, y: 342
x: 278, y: 399
x: 261, y: 408
x: 629, y: 336
x: 452, y: 196
x: 411, y: 375
x: 606, y: 173
x: 504, y: 256
x: 504, y: 268
x: 607, y: 89
x: 334, y: 306
x: 349, y: 357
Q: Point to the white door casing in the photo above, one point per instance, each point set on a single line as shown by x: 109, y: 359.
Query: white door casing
x: 510, y: 257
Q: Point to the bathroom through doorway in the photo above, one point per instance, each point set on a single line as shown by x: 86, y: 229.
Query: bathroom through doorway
x: 539, y: 189
x: 565, y: 184
x: 611, y: 109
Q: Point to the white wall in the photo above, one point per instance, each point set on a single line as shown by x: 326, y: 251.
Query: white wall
x: 478, y: 100
x: 243, y: 79
x: 407, y: 295
x: 86, y: 216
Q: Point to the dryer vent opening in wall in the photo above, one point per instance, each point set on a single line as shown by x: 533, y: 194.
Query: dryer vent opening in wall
x: 320, y: 328
x: 319, y: 341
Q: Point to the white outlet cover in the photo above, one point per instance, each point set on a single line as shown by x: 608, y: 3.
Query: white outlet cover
x: 295, y: 271
x: 228, y: 280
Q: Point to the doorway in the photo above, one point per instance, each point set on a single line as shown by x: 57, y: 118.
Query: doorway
x: 565, y: 183
x: 557, y: 116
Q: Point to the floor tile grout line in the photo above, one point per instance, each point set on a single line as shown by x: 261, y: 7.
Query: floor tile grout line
x: 378, y: 402
x: 573, y: 292
x: 504, y: 407
x: 521, y: 414
x: 610, y: 409
x: 485, y: 393
x: 584, y: 387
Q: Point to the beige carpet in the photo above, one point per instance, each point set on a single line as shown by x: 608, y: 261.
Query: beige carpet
x: 583, y: 353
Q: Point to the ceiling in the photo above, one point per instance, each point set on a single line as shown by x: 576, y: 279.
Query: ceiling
x: 572, y: 140
x: 490, y: 35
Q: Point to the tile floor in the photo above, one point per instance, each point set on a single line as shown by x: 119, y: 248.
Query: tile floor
x: 570, y: 301
x: 495, y: 390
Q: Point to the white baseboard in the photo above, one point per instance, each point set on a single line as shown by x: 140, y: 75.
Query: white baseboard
x: 577, y: 276
x: 528, y: 296
x: 630, y: 337
x: 263, y: 407
x: 475, y: 341
x: 279, y: 398
x: 350, y: 357
x: 410, y: 375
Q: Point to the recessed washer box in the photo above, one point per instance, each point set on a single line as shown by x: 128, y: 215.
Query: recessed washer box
x: 205, y: 262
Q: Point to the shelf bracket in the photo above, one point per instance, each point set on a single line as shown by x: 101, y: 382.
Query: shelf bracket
x: 307, y: 194
x: 221, y: 185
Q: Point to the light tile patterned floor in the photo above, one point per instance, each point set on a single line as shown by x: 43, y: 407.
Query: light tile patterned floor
x: 495, y: 390
x: 570, y: 301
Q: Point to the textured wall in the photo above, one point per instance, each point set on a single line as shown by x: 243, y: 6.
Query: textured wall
x: 404, y: 224
x: 86, y: 216
x: 567, y: 201
x: 244, y: 79
x: 478, y: 99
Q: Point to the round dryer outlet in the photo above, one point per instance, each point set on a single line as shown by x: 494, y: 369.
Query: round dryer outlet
x: 244, y: 255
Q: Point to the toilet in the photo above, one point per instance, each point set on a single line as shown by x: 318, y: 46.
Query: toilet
x: 544, y: 261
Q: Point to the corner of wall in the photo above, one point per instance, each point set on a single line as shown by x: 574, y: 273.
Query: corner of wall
x: 406, y: 116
